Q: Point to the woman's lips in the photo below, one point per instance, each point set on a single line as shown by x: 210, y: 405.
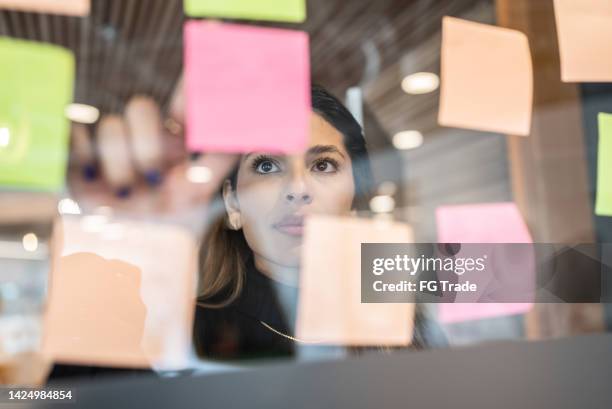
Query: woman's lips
x: 291, y: 225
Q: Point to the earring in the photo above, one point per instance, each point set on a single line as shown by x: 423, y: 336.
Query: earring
x: 233, y: 222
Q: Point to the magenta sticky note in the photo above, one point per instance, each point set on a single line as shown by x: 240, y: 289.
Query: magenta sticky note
x: 481, y: 223
x: 247, y: 88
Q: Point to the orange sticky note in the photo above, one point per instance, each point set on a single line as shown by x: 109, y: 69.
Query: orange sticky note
x: 487, y: 78
x: 481, y: 223
x: 330, y: 309
x: 584, y: 30
x: 67, y: 7
x: 247, y: 88
x: 121, y: 294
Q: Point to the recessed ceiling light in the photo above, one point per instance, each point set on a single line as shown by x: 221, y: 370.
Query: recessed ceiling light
x: 199, y: 174
x: 382, y: 204
x: 81, y: 113
x: 420, y: 83
x: 5, y: 137
x: 30, y: 242
x: 68, y: 206
x: 407, y: 140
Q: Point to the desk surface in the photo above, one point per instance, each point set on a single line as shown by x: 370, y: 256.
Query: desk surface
x: 568, y: 373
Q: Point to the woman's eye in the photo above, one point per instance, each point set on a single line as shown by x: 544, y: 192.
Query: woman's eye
x: 325, y: 166
x: 267, y: 166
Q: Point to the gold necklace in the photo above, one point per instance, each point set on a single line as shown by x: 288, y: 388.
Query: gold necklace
x: 301, y: 341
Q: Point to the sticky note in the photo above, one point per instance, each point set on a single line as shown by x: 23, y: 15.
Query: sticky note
x: 482, y: 223
x: 139, y: 280
x: 292, y: 11
x: 66, y: 7
x: 95, y: 315
x: 329, y: 308
x: 487, y: 78
x: 247, y: 88
x: 34, y: 132
x: 603, y: 204
x: 584, y: 30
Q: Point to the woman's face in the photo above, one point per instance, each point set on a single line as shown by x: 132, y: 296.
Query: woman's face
x: 274, y: 193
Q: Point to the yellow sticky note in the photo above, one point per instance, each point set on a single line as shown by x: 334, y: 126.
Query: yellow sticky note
x: 330, y: 309
x: 67, y: 7
x: 293, y: 11
x: 603, y: 204
x: 36, y: 84
x: 487, y: 78
x: 584, y: 29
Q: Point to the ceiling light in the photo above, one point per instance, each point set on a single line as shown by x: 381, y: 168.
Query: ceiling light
x: 68, y: 206
x: 81, y: 113
x: 199, y: 174
x: 5, y: 137
x: 407, y: 140
x: 30, y: 242
x: 382, y: 204
x: 420, y: 83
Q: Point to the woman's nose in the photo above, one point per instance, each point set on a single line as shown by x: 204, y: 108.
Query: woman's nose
x: 297, y: 191
x: 296, y: 197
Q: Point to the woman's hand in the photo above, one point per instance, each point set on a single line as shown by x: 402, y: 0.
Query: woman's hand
x: 137, y: 165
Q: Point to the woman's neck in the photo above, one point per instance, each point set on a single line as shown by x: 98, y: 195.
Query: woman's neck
x: 283, y: 274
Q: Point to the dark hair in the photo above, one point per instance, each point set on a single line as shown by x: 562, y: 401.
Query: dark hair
x: 225, y: 252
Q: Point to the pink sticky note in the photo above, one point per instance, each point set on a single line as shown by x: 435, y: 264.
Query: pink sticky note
x: 487, y: 78
x: 481, y: 223
x: 247, y: 88
x: 330, y: 309
x: 136, y: 278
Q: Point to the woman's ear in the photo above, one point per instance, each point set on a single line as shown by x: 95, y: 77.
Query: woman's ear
x: 234, y: 219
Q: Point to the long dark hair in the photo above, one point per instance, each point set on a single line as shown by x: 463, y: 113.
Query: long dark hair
x: 224, y: 252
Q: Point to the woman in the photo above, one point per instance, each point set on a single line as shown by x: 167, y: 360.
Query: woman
x: 250, y: 257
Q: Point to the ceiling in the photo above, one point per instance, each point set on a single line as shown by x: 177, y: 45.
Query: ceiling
x: 135, y: 46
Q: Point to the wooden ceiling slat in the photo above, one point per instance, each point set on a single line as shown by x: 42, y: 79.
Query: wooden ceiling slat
x: 135, y: 46
x: 4, y: 29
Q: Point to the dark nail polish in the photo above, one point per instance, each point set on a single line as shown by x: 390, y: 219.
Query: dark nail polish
x: 89, y: 172
x: 195, y: 156
x: 153, y: 177
x: 123, y: 192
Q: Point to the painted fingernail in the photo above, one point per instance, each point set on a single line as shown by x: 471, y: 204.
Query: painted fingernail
x: 89, y: 172
x: 195, y: 156
x: 123, y: 192
x: 153, y: 177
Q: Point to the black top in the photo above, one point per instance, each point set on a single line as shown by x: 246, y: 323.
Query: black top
x: 246, y: 328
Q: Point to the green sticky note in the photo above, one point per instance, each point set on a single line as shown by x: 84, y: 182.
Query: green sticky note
x: 603, y: 205
x: 36, y: 84
x: 293, y: 11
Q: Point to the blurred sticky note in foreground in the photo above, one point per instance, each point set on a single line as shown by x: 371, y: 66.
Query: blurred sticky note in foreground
x: 33, y: 129
x: 584, y: 29
x: 330, y: 309
x: 121, y: 294
x: 603, y: 204
x: 66, y: 7
x: 487, y: 78
x: 247, y: 88
x: 293, y: 11
x: 481, y: 223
